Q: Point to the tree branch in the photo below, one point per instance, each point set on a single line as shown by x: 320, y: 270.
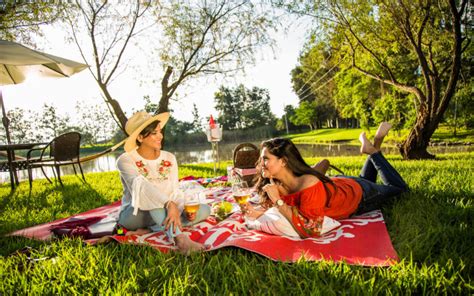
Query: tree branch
x: 136, y: 15
x: 411, y: 89
x: 372, y: 53
x: 456, y: 57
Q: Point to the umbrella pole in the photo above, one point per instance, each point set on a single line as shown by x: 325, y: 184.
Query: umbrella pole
x: 10, y: 155
x: 5, y: 120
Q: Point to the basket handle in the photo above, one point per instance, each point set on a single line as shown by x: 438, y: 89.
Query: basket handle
x: 240, y: 146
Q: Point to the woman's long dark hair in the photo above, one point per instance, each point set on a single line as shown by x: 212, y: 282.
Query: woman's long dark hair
x: 284, y: 148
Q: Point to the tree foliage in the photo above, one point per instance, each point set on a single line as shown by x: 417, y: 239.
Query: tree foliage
x: 50, y: 123
x: 197, y: 125
x: 91, y: 121
x: 413, y: 46
x: 102, y: 32
x: 207, y: 38
x: 193, y: 38
x: 305, y: 114
x: 21, y: 127
x: 241, y: 108
x: 21, y: 20
x: 355, y: 96
x: 285, y: 121
x: 95, y: 124
x: 313, y: 78
x: 395, y: 107
x: 460, y: 112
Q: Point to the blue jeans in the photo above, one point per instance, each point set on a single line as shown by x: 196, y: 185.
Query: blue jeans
x: 154, y: 218
x: 375, y: 195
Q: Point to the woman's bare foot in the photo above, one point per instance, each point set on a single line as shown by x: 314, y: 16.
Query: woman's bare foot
x: 366, y: 146
x: 139, y: 231
x: 186, y: 246
x: 322, y: 166
x: 382, y: 131
x: 104, y: 239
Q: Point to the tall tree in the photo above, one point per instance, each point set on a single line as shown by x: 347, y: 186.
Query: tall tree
x: 207, y: 38
x: 109, y: 28
x: 195, y: 38
x: 414, y: 46
x: 313, y: 78
x: 284, y: 123
x: 229, y: 108
x: 256, y: 109
x: 197, y: 120
x: 305, y: 114
x: 241, y: 108
x: 22, y: 129
x: 51, y: 123
x: 460, y: 113
x: 94, y: 123
x: 355, y: 95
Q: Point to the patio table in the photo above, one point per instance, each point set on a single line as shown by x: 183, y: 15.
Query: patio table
x: 13, y: 165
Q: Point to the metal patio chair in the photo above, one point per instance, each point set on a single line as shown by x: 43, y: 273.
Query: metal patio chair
x: 62, y: 150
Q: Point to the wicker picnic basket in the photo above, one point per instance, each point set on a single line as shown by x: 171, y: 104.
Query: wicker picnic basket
x: 245, y: 157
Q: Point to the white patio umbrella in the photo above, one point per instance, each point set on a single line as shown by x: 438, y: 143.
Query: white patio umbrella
x: 17, y: 62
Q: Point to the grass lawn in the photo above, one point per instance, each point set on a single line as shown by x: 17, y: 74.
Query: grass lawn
x: 442, y: 134
x: 431, y: 229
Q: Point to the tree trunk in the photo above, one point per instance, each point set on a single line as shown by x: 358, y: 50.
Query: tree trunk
x: 163, y: 107
x: 166, y: 91
x: 416, y: 144
x: 117, y: 110
x: 163, y: 104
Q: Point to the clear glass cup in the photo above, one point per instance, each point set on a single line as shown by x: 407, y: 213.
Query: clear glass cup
x: 191, y: 206
x: 241, y: 192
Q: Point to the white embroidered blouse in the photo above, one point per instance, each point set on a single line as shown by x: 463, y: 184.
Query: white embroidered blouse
x: 149, y: 184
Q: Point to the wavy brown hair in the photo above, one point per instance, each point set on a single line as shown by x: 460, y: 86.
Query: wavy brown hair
x: 285, y: 149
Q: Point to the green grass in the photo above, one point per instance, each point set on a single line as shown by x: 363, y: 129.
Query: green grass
x: 328, y: 135
x: 331, y: 135
x: 430, y: 227
x: 445, y: 134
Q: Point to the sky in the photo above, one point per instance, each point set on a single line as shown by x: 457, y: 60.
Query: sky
x: 271, y: 71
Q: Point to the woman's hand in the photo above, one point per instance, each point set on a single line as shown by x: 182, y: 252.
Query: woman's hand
x: 173, y: 217
x: 273, y: 191
x: 250, y: 211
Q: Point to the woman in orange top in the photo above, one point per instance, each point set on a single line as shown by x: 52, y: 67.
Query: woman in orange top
x: 304, y: 196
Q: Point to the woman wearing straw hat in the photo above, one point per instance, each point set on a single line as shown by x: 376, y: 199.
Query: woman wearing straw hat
x: 151, y: 198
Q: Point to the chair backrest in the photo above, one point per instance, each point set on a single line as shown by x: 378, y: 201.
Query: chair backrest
x: 65, y: 146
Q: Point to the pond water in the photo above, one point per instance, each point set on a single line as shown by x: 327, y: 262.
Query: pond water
x: 201, y: 154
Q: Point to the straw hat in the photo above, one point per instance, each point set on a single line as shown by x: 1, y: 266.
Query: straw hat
x: 138, y: 122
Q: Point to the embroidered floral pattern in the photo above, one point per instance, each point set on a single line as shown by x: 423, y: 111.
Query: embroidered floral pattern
x: 307, y: 227
x: 163, y: 169
x: 142, y: 168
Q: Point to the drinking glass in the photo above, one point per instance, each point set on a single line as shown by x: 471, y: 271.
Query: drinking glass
x: 241, y: 192
x: 191, y: 206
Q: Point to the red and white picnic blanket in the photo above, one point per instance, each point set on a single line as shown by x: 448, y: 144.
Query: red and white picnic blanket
x: 360, y: 240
